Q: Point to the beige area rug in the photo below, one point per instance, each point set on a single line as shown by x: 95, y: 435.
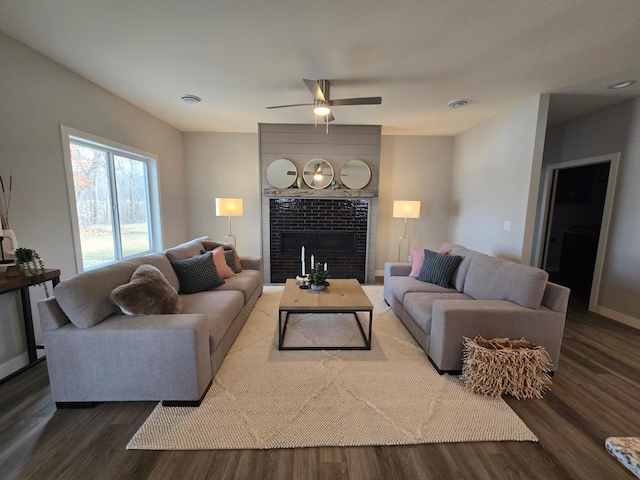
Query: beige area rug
x: 265, y: 398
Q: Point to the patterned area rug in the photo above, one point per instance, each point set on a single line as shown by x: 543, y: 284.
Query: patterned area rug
x: 265, y: 398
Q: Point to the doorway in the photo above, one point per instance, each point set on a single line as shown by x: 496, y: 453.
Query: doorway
x: 579, y: 196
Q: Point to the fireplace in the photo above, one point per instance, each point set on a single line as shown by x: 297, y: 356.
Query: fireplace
x: 326, y: 243
x: 332, y: 230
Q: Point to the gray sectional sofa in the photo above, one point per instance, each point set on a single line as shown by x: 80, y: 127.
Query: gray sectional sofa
x: 489, y: 297
x: 96, y: 353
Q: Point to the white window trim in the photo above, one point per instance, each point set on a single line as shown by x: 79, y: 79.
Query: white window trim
x: 154, y: 186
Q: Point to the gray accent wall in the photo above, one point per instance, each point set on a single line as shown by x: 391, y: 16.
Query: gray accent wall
x: 301, y: 143
x: 610, y: 130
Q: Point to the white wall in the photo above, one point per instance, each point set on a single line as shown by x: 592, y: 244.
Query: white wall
x: 36, y: 96
x: 496, y: 176
x: 611, y: 130
x: 413, y: 168
x: 224, y: 165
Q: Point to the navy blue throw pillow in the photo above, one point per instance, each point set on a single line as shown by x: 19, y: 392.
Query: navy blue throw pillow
x: 197, y: 274
x: 438, y: 268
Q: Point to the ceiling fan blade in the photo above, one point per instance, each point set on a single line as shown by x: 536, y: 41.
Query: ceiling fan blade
x: 294, y: 105
x: 356, y: 101
x: 315, y: 89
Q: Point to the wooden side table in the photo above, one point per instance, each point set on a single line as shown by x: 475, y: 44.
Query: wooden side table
x: 13, y: 283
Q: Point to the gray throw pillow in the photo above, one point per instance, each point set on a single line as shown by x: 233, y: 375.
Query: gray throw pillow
x: 230, y: 258
x: 438, y: 268
x: 147, y: 293
x: 197, y: 274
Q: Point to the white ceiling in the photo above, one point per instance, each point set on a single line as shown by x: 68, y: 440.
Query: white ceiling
x: 244, y: 55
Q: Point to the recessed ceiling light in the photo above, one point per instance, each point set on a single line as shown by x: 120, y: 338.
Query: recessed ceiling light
x: 625, y: 84
x: 458, y: 103
x: 190, y: 99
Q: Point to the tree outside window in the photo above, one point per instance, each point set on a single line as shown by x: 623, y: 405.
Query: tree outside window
x: 112, y: 202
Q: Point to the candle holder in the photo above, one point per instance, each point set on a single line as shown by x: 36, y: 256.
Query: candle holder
x: 303, y: 281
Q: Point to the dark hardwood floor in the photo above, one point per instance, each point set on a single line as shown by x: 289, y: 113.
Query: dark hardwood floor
x: 595, y: 394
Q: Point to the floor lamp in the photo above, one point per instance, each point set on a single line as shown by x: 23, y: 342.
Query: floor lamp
x: 405, y: 209
x: 229, y: 207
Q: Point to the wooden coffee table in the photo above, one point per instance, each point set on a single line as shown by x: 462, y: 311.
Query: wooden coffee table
x: 342, y: 296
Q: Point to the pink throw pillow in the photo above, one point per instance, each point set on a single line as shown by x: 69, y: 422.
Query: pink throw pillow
x: 221, y: 264
x: 417, y: 255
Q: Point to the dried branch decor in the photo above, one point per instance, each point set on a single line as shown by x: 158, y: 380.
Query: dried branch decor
x: 5, y: 201
x: 503, y: 366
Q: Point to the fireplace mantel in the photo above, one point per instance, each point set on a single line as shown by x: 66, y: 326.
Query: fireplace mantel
x: 324, y: 193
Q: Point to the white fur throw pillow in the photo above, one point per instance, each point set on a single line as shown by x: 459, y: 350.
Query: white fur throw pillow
x: 147, y: 293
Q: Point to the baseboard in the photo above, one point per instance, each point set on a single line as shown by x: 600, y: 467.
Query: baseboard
x: 618, y: 317
x: 379, y: 273
x: 14, y: 365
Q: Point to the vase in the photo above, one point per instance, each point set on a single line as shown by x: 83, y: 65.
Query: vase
x: 9, y: 242
x: 300, y: 182
x: 317, y: 287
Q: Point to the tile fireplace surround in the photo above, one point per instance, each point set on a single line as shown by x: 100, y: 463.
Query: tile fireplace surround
x: 333, y: 230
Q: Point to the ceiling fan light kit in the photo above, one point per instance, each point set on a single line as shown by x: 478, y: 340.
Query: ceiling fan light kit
x: 321, y: 108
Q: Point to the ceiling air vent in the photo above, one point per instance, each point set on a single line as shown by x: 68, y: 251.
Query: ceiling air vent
x: 458, y: 103
x: 190, y: 99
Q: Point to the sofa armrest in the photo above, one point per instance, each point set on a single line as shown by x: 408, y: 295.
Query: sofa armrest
x: 251, y: 263
x: 150, y: 357
x: 453, y: 320
x: 397, y: 269
x: 51, y: 315
x: 556, y: 297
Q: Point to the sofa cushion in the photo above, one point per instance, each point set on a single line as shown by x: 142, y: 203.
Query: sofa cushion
x: 161, y: 262
x: 185, y: 250
x: 220, y: 307
x: 84, y: 298
x: 245, y: 282
x: 147, y: 293
x: 491, y: 278
x: 197, y: 274
x: 438, y: 268
x: 420, y: 305
x: 399, y: 286
x: 460, y: 274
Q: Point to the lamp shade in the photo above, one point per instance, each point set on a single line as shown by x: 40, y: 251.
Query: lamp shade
x: 406, y: 208
x: 228, y: 207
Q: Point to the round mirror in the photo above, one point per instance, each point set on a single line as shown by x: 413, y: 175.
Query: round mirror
x: 318, y: 173
x: 282, y: 173
x: 355, y: 174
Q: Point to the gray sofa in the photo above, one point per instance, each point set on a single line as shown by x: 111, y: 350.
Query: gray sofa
x: 95, y: 353
x: 491, y: 298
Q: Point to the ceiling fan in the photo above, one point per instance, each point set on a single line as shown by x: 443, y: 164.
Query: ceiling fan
x: 322, y: 103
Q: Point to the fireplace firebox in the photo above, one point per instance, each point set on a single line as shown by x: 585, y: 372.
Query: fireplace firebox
x: 331, y: 243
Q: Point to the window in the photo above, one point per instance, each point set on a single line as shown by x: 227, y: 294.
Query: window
x: 111, y: 188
